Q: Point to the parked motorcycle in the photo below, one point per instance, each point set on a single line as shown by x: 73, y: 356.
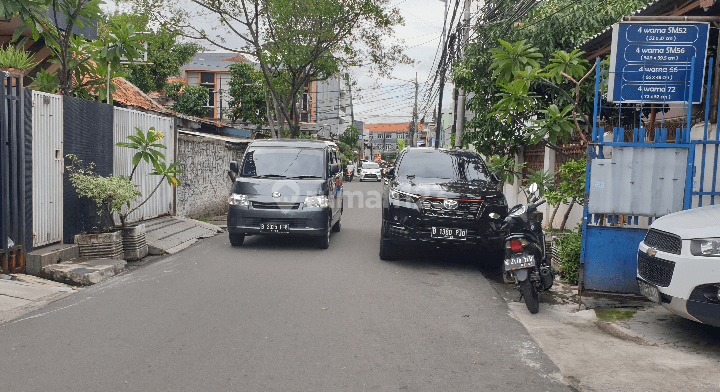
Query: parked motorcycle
x: 526, y: 264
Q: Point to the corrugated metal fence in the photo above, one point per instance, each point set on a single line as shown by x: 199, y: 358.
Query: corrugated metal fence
x: 47, y: 178
x: 124, y: 123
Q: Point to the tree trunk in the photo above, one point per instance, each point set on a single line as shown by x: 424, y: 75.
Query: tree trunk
x: 552, y: 217
x: 567, y: 214
x: 268, y: 114
x: 280, y: 118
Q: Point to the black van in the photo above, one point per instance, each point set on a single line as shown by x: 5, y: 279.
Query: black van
x: 286, y: 187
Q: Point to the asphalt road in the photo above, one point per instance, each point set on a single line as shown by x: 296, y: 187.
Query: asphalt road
x: 277, y: 314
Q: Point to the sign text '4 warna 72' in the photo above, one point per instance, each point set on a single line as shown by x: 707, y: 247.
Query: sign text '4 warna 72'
x: 650, y: 62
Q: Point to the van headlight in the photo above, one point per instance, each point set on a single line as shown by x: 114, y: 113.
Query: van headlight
x: 316, y: 201
x: 239, y: 200
x: 705, y: 247
x: 403, y: 196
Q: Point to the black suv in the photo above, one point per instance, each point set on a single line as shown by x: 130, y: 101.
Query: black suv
x: 441, y: 197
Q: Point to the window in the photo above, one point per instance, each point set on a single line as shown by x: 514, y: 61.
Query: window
x: 282, y: 162
x: 451, y: 165
x: 207, y: 80
x: 401, y: 136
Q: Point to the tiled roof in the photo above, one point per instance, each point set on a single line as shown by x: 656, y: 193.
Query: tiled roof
x: 213, y: 61
x: 130, y: 95
x: 237, y: 59
x: 403, y: 127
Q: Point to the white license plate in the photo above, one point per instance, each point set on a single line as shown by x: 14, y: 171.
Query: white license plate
x: 518, y: 261
x: 649, y: 291
x: 274, y: 228
x: 446, y: 233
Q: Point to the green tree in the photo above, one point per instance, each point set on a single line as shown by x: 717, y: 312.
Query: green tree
x: 165, y: 53
x: 571, y: 22
x: 350, y: 136
x: 248, y: 95
x: 190, y: 100
x: 570, y: 189
x: 83, y: 65
x: 296, y: 42
x: 401, y: 144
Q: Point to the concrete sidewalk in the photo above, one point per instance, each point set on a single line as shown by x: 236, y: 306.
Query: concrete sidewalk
x: 653, y: 350
x: 21, y: 293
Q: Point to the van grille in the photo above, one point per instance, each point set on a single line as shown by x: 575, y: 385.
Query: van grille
x: 662, y: 241
x: 655, y: 270
x: 275, y: 205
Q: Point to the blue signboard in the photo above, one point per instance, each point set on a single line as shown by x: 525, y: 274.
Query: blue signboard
x: 650, y: 62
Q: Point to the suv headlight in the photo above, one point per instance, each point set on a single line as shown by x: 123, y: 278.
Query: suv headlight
x: 705, y: 247
x: 403, y: 196
x: 239, y: 200
x: 316, y: 201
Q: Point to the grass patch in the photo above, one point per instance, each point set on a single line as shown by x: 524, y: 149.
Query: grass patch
x: 614, y: 314
x: 205, y: 219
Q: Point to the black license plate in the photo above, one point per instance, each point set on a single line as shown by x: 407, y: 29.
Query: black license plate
x: 518, y: 261
x: 274, y: 228
x: 448, y: 234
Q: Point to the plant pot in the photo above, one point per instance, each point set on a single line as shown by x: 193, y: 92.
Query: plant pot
x: 134, y: 243
x: 100, y: 246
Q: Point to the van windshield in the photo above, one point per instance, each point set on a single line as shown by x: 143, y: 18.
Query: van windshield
x: 279, y: 162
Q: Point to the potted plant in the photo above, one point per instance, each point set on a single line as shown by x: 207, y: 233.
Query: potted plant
x: 15, y: 61
x: 109, y: 194
x: 119, y: 194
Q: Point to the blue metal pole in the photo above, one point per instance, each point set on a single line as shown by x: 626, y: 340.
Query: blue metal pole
x: 705, y: 133
x: 595, y: 104
x: 690, y: 100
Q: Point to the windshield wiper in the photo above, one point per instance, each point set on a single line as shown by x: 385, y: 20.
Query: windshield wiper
x: 270, y: 176
x: 306, y: 176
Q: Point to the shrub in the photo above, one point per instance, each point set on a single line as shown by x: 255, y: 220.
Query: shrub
x: 569, y: 253
x: 11, y: 57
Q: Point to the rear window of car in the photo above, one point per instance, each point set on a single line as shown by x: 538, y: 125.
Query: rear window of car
x: 463, y: 166
x: 283, y: 162
x: 368, y: 165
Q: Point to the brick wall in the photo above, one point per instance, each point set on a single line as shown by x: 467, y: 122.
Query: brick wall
x: 205, y: 182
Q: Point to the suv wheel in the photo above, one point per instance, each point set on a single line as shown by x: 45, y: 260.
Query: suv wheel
x: 388, y: 251
x: 236, y: 239
x: 324, y: 241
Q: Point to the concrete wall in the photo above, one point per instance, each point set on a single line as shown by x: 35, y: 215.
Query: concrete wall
x: 205, y: 182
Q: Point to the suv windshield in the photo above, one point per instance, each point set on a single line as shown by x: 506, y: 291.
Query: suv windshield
x: 283, y: 162
x: 454, y: 166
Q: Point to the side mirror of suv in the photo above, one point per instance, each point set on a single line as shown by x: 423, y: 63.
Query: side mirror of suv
x: 494, y: 179
x: 234, y: 166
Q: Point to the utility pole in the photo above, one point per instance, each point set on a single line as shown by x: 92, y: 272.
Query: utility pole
x: 442, y: 78
x: 460, y: 124
x: 443, y: 64
x: 414, y: 125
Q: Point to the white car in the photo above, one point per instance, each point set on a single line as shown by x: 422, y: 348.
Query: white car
x: 370, y: 171
x: 679, y: 264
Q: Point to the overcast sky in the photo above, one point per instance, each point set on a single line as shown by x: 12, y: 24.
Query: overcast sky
x: 391, y: 100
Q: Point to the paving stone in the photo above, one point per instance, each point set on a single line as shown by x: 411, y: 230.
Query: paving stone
x: 24, y: 290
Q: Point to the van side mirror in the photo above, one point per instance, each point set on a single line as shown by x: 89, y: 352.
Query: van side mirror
x: 334, y: 169
x: 234, y: 166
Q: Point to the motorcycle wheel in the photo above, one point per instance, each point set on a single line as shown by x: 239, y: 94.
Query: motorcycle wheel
x: 531, y: 296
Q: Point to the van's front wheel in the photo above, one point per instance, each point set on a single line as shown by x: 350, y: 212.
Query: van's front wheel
x: 324, y: 241
x: 236, y: 239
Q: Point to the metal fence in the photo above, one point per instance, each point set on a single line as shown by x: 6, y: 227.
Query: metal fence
x: 124, y: 123
x: 47, y: 173
x: 12, y: 173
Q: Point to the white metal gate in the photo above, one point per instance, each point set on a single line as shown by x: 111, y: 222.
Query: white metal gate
x: 124, y: 123
x: 47, y: 169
